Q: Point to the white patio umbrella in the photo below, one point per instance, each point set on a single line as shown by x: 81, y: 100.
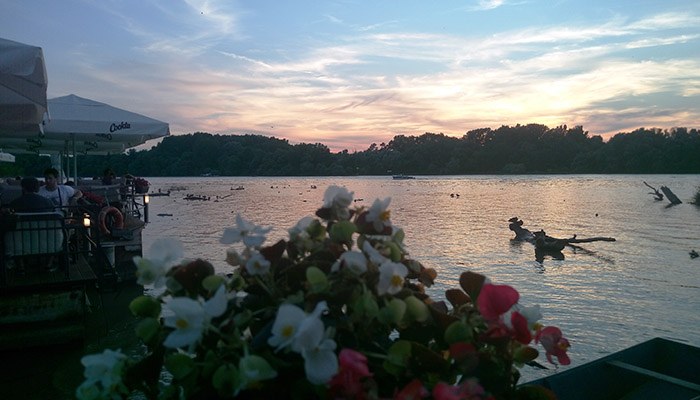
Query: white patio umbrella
x: 89, y: 126
x: 23, y: 84
x: 82, y: 119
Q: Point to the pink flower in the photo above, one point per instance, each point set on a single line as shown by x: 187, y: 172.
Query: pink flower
x: 347, y: 383
x: 495, y: 300
x: 520, y: 330
x: 354, y: 361
x: 413, y: 391
x: 554, y: 343
x: 468, y: 390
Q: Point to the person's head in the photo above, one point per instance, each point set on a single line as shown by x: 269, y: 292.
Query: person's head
x: 51, y: 178
x: 30, y: 185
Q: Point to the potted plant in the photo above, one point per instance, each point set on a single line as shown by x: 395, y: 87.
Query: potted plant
x: 337, y: 311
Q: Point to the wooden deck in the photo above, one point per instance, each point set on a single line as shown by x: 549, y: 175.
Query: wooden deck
x: 42, y: 307
x: 35, y: 277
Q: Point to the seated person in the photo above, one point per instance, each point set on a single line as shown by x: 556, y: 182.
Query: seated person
x: 30, y: 200
x: 108, y: 177
x: 60, y: 195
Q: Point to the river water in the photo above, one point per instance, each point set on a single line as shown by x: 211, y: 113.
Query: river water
x: 605, y: 296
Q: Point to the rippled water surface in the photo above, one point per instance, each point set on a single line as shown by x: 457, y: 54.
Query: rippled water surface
x: 605, y: 297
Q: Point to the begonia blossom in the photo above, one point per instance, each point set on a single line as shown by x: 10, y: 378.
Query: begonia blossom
x: 554, y: 343
x: 495, y: 300
x: 286, y: 325
x: 103, y: 375
x: 378, y: 214
x: 163, y: 254
x: 391, y: 277
x: 257, y: 264
x: 250, y: 234
x: 351, y: 260
x: 338, y: 199
x: 189, y: 317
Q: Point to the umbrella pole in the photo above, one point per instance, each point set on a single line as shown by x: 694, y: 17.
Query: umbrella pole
x: 75, y: 163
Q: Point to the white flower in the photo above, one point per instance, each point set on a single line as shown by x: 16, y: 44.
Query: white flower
x: 306, y: 335
x: 102, y: 375
x: 391, y: 277
x: 300, y: 230
x: 105, y: 367
x: 378, y: 214
x: 252, y: 235
x: 373, y: 254
x: 338, y: 199
x: 164, y: 254
x: 531, y: 314
x: 191, y: 316
x: 320, y: 362
x: 310, y: 330
x: 352, y: 260
x: 257, y: 265
x: 286, y: 325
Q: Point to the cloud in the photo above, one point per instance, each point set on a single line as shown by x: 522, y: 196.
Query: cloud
x: 364, y: 83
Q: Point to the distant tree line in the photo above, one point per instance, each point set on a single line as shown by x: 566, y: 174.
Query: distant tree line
x: 520, y: 149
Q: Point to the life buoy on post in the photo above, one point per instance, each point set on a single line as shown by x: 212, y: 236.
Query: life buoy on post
x: 118, y: 219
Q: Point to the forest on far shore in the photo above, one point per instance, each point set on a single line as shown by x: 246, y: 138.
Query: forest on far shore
x: 520, y: 149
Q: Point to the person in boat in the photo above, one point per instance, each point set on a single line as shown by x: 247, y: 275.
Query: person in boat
x: 30, y: 200
x: 60, y: 195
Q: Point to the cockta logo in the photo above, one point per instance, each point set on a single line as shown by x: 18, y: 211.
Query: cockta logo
x: 120, y: 126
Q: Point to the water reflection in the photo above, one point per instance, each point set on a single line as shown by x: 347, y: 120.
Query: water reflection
x: 604, y: 296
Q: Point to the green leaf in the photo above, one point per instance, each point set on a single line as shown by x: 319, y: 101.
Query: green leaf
x: 457, y: 332
x: 369, y: 305
x: 342, y: 231
x: 395, y: 254
x: 397, y: 357
x: 147, y: 329
x: 317, y: 279
x: 226, y: 380
x: 212, y: 282
x: 316, y: 230
x: 525, y: 354
x: 393, y: 313
x: 180, y: 365
x: 145, y: 306
x: 417, y: 309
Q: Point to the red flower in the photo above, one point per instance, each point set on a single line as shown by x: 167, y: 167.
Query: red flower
x: 520, y: 330
x: 347, y: 383
x: 468, y: 390
x: 554, y: 343
x: 413, y: 391
x: 495, y: 300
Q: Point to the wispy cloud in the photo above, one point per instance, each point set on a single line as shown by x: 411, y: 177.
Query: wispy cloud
x: 206, y: 65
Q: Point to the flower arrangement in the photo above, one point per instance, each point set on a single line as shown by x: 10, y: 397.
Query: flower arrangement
x: 141, y: 185
x: 337, y: 311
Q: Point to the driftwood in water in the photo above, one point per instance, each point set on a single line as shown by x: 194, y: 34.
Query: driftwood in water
x: 670, y: 196
x: 657, y: 195
x: 542, y: 241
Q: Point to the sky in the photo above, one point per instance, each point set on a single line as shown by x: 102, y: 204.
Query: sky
x: 350, y: 73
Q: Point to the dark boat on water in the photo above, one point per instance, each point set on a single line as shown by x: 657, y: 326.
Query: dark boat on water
x: 401, y: 176
x: 656, y: 369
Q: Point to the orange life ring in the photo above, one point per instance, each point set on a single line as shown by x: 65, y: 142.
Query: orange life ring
x: 118, y: 219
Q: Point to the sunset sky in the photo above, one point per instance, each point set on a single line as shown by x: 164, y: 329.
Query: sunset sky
x: 351, y: 73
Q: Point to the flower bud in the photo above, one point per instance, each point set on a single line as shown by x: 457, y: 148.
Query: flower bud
x: 145, y: 306
x: 416, y: 309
